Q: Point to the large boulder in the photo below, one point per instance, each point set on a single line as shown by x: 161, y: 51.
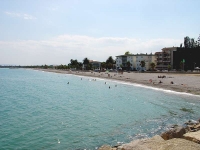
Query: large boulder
x: 157, y: 143
x: 174, y: 133
x: 106, y: 147
x: 193, y: 136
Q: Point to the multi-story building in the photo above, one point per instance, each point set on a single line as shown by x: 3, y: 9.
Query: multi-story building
x: 95, y: 64
x: 189, y: 56
x: 135, y: 61
x: 165, y: 58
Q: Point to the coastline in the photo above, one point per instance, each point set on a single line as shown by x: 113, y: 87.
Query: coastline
x: 178, y: 137
x: 182, y: 83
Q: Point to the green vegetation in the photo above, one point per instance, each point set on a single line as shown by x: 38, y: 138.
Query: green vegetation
x: 191, y: 43
x: 153, y: 65
x: 142, y: 63
x: 128, y: 64
x: 127, y: 53
x: 169, y: 67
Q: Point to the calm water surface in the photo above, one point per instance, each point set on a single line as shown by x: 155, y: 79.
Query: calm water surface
x: 39, y: 110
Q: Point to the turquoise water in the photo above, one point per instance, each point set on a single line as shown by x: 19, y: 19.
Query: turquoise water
x: 39, y: 110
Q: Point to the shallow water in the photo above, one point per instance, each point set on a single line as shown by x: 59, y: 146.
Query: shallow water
x: 39, y: 110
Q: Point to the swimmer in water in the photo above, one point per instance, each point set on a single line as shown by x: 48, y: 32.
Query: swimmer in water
x: 68, y: 83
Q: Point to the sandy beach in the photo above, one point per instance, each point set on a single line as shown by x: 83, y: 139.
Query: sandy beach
x: 187, y: 83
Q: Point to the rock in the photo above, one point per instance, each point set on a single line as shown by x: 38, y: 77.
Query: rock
x: 173, y: 133
x: 191, y: 122
x: 193, y: 128
x: 107, y: 147
x: 192, y: 136
x: 157, y: 143
x: 197, y: 126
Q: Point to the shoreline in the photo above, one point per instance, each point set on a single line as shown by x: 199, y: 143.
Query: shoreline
x: 182, y: 83
x: 183, y: 137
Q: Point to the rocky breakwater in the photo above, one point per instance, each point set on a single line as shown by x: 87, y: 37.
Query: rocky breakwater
x: 177, y: 138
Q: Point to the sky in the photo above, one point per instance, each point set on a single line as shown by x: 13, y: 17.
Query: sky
x: 38, y: 32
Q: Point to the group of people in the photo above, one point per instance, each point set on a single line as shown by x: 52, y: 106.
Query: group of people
x: 162, y: 76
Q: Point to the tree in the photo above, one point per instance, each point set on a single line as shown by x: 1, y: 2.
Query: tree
x: 103, y: 65
x: 169, y: 67
x: 181, y: 65
x: 127, y: 53
x: 109, y: 66
x: 198, y: 41
x: 152, y: 65
x: 110, y: 60
x: 45, y: 66
x: 80, y: 65
x: 128, y: 65
x: 142, y: 63
x: 187, y: 42
x: 86, y: 62
x: 192, y: 43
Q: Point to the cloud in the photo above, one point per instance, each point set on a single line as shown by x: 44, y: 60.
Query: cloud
x: 24, y: 16
x: 60, y: 49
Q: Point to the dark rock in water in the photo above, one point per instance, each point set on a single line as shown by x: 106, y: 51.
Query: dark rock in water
x: 174, y: 133
x: 191, y: 122
x: 174, y: 126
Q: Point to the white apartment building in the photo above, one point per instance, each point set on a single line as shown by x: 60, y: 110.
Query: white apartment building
x: 135, y: 61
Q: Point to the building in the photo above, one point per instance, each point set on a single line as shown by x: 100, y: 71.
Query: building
x: 190, y: 56
x: 95, y: 64
x: 165, y: 59
x: 135, y: 61
x: 174, y: 56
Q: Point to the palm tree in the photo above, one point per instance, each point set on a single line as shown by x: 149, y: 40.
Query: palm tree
x: 169, y: 67
x: 152, y: 65
x: 142, y: 64
x: 86, y: 62
x: 128, y: 65
x: 103, y: 65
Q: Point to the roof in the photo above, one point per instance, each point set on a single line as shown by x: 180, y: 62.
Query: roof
x: 169, y: 48
x: 95, y: 61
x: 136, y: 55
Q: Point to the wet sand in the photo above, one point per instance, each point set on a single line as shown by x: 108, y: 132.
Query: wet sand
x: 187, y: 83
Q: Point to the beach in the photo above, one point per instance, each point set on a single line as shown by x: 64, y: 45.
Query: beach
x: 178, y: 82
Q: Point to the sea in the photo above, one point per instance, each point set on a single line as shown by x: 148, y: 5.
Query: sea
x: 45, y: 110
